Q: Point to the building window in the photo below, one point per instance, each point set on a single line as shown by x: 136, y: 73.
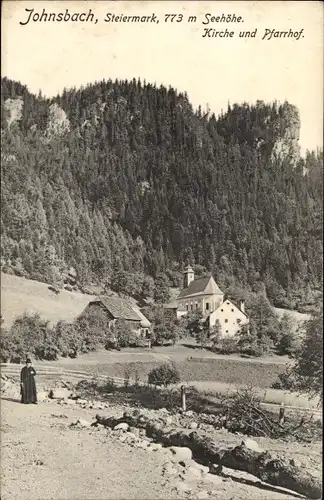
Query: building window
x: 226, y: 331
x: 207, y: 306
x: 196, y: 305
x: 187, y: 307
x: 222, y: 310
x: 191, y: 307
x: 238, y: 321
x: 232, y: 310
x: 226, y: 320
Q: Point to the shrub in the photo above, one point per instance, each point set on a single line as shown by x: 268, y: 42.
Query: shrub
x: 306, y: 374
x: 123, y: 334
x: 68, y: 339
x: 10, y: 351
x: 165, y: 375
x: 93, y: 329
x: 228, y: 345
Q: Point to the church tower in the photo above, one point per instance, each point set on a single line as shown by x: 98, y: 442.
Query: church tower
x: 188, y: 276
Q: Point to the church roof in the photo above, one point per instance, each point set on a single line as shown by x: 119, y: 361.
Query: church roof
x: 202, y: 286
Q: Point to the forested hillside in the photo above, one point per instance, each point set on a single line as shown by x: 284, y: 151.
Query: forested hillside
x: 126, y: 183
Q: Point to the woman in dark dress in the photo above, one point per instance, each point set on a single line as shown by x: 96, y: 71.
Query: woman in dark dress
x: 27, y: 384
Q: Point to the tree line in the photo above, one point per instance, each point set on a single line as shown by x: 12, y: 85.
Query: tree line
x: 125, y: 182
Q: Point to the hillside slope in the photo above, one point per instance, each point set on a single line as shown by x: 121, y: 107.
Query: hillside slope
x: 19, y: 295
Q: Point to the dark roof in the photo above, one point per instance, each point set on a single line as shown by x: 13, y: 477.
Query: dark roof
x: 118, y: 308
x: 205, y: 285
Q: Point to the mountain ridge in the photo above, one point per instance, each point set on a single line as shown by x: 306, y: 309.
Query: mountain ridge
x: 125, y: 177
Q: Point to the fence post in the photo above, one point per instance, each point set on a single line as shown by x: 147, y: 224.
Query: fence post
x: 281, y: 414
x: 183, y: 397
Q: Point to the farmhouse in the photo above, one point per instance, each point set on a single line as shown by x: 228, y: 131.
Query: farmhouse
x: 229, y: 318
x: 119, y: 309
x: 204, y: 295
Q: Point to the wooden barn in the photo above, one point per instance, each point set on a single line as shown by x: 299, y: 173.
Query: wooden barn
x: 119, y: 309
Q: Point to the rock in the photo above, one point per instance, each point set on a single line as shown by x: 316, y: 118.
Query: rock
x: 123, y: 426
x: 180, y: 454
x: 183, y: 488
x: 193, y: 425
x: 192, y: 474
x: 295, y: 462
x: 155, y: 446
x: 131, y: 437
x: 251, y: 444
x: 135, y: 431
x: 189, y: 413
x: 143, y: 444
x: 61, y: 393
x: 169, y: 469
x: 81, y: 423
x: 213, y: 479
x: 203, y: 468
x: 82, y: 401
x: 202, y: 495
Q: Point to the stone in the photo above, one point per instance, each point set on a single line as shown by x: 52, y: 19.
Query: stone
x: 193, y: 425
x: 203, y: 468
x: 62, y: 393
x: 123, y: 426
x: 192, y: 474
x: 295, y: 462
x: 169, y: 469
x: 212, y: 478
x: 155, y: 446
x: 202, y: 495
x: 251, y: 444
x: 135, y: 431
x: 143, y: 444
x: 180, y: 453
x: 183, y: 488
x: 81, y: 423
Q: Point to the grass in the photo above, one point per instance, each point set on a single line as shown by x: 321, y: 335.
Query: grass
x: 19, y: 295
x: 226, y: 371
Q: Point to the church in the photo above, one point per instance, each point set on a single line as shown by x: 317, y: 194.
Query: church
x: 204, y: 295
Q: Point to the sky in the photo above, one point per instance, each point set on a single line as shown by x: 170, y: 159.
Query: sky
x: 212, y: 70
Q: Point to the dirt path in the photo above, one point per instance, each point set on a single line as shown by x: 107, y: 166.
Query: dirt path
x: 73, y: 464
x: 43, y: 458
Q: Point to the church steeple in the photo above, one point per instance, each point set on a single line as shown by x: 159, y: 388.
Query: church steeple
x: 188, y: 276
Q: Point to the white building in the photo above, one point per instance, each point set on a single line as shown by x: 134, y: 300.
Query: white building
x: 204, y: 295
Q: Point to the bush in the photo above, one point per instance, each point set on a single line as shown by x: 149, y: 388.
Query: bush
x: 306, y: 374
x: 228, y: 345
x: 165, y: 375
x: 29, y: 335
x: 122, y: 335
